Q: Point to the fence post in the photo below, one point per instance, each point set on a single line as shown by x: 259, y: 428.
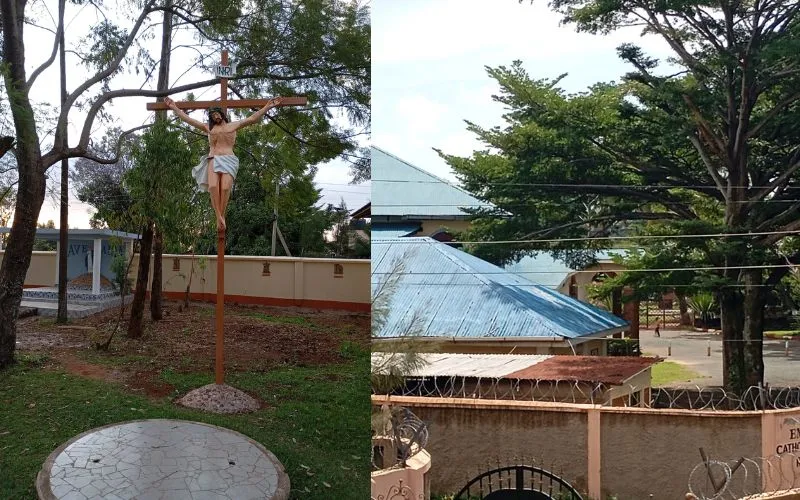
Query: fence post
x: 593, y: 452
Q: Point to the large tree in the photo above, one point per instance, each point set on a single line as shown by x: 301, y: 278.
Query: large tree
x: 708, y: 145
x: 316, y: 47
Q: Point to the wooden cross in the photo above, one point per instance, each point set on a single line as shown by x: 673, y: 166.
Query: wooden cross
x: 224, y: 103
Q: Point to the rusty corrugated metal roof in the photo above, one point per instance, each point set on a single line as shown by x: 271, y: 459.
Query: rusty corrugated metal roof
x: 604, y: 369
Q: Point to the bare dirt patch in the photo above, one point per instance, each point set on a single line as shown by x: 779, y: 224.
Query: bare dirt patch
x: 256, y: 338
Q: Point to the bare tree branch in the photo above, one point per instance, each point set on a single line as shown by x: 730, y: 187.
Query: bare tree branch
x: 55, y: 155
x: 772, y: 113
x: 77, y: 152
x: 38, y: 71
x: 775, y: 184
x: 99, y: 76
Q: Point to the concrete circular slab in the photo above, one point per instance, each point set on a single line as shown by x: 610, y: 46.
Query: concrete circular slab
x: 162, y: 459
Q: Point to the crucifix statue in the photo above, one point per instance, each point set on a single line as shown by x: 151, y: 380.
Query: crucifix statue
x: 217, y: 171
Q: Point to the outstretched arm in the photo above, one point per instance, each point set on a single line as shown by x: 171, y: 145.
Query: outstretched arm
x: 255, y: 117
x: 183, y: 116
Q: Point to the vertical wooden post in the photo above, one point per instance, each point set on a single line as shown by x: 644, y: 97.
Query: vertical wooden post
x: 219, y: 369
x: 219, y: 366
x: 223, y: 86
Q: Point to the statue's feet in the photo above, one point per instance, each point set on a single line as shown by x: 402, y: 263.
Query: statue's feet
x: 220, y: 225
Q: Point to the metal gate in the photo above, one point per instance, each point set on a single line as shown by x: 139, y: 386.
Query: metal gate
x: 518, y: 482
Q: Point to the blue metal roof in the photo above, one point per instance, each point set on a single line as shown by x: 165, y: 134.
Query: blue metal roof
x: 382, y: 231
x: 402, y: 189
x: 444, y: 292
x: 544, y: 270
x: 541, y: 269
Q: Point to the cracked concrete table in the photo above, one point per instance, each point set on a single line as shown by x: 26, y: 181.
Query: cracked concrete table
x: 159, y: 460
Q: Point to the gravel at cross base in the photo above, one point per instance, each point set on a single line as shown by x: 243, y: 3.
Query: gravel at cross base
x: 219, y: 399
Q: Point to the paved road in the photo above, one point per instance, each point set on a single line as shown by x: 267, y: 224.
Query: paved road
x: 691, y: 349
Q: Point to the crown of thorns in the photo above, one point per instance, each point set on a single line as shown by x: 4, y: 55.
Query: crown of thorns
x: 218, y: 110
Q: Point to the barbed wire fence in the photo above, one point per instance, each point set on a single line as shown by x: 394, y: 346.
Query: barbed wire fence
x: 397, y: 435
x: 745, y: 478
x: 599, y: 393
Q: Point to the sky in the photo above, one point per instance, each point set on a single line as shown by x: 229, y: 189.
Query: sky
x: 428, y: 68
x: 333, y: 177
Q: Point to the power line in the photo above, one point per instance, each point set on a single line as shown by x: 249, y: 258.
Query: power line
x: 603, y: 186
x: 594, y: 238
x: 547, y: 202
x: 648, y: 270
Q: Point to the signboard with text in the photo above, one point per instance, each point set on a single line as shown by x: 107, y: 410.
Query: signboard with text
x: 225, y: 71
x: 784, y: 461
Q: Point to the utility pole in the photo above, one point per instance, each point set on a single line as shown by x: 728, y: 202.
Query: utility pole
x: 276, y: 231
x: 63, y: 231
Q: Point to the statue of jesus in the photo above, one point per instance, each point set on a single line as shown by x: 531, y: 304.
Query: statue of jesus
x: 217, y: 171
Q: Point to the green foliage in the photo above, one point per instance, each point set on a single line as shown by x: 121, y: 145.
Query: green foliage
x: 161, y: 185
x: 101, y: 185
x: 624, y: 347
x: 41, y: 245
x: 268, y: 156
x: 703, y: 304
x: 662, y: 152
x: 318, y: 48
x: 105, y: 41
x: 119, y: 266
x: 346, y: 242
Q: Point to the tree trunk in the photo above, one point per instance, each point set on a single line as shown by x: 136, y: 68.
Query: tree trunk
x: 31, y: 175
x: 753, y: 331
x: 63, y: 227
x: 156, y: 312
x: 732, y: 322
x: 17, y: 255
x: 684, y: 308
x: 137, y: 306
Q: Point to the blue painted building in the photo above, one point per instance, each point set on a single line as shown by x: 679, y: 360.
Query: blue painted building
x: 90, y: 251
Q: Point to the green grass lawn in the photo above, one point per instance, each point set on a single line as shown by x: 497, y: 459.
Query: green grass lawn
x: 668, y: 372
x: 316, y: 420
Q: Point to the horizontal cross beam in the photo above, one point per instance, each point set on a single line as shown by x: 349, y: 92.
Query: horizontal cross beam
x: 239, y: 103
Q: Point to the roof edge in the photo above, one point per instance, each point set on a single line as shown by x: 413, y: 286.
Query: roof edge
x: 419, y: 169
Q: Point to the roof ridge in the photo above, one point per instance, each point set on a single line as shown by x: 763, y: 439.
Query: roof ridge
x: 420, y: 169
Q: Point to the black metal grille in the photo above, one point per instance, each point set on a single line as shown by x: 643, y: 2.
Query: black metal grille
x: 518, y: 482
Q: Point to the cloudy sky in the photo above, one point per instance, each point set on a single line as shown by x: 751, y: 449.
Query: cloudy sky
x: 332, y: 177
x: 428, y: 74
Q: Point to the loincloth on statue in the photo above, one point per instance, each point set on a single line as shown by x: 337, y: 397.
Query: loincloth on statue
x: 225, y: 164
